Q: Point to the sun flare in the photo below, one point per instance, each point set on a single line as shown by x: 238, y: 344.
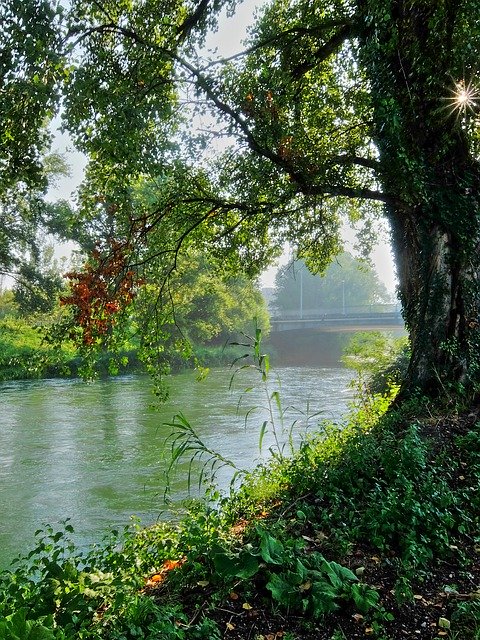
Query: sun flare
x: 464, y: 97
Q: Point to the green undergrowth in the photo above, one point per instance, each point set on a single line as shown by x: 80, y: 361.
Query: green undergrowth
x: 26, y: 355
x: 401, y: 487
x: 365, y: 528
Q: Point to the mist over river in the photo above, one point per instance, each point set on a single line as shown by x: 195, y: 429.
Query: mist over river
x: 94, y: 452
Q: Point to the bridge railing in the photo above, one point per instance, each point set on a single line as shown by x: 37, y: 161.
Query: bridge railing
x: 335, y: 312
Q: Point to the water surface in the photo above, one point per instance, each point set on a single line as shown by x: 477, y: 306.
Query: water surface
x: 95, y: 452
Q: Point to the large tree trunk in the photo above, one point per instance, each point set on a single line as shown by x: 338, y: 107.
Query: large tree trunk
x: 414, y: 61
x: 438, y: 275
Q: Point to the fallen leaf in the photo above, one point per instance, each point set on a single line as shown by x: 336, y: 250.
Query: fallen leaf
x: 233, y: 595
x: 305, y: 586
x: 418, y: 597
x: 230, y: 626
x: 308, y: 539
x: 156, y: 578
x: 444, y: 623
x: 368, y: 631
x: 357, y: 617
x: 168, y: 565
x: 203, y: 583
x: 246, y: 606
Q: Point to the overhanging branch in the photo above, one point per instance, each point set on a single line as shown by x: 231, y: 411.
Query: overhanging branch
x: 304, y: 183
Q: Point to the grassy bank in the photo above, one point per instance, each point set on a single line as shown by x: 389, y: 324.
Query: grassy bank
x: 25, y: 355
x: 369, y: 530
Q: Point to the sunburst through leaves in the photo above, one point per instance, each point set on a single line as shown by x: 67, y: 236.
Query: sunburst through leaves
x: 463, y: 98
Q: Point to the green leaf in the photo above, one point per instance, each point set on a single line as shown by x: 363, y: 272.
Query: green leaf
x: 244, y: 565
x: 336, y: 573
x: 271, y: 550
x: 323, y: 598
x: 283, y: 591
x: 263, y: 431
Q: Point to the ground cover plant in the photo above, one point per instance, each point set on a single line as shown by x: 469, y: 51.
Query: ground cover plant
x: 370, y: 529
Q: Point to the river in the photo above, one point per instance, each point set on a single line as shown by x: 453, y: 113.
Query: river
x: 95, y: 452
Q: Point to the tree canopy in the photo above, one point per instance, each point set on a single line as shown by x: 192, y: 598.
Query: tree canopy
x: 351, y: 108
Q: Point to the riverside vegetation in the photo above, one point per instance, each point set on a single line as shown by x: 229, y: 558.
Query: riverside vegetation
x: 34, y: 345
x: 369, y: 529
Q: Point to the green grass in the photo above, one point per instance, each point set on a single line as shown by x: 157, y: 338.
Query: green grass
x: 25, y: 354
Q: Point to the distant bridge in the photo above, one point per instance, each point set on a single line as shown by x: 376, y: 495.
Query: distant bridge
x: 366, y: 318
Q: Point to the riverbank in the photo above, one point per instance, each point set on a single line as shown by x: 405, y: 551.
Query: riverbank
x: 370, y: 530
x: 25, y: 355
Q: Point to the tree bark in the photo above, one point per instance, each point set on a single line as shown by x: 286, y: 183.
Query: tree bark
x: 439, y: 292
x: 413, y: 61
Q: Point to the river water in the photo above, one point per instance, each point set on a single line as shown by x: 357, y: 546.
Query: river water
x: 95, y: 452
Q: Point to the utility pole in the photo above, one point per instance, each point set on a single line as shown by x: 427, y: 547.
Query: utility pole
x: 301, y: 294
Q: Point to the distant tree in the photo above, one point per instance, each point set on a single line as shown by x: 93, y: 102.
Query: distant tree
x: 345, y: 280
x: 38, y: 282
x: 211, y: 308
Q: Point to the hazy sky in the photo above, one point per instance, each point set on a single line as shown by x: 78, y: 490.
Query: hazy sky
x: 227, y: 41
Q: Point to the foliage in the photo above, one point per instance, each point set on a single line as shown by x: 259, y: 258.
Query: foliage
x: 379, y: 360
x: 23, y: 354
x: 32, y: 68
x: 348, y: 110
x: 98, y: 292
x: 346, y: 283
x: 214, y: 308
x: 198, y: 306
x: 38, y: 283
x: 304, y: 583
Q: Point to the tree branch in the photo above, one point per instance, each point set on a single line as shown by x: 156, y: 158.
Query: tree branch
x: 192, y: 20
x: 304, y: 185
x: 326, y: 50
x: 294, y: 31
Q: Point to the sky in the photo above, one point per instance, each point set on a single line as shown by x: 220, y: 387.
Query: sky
x: 227, y: 41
